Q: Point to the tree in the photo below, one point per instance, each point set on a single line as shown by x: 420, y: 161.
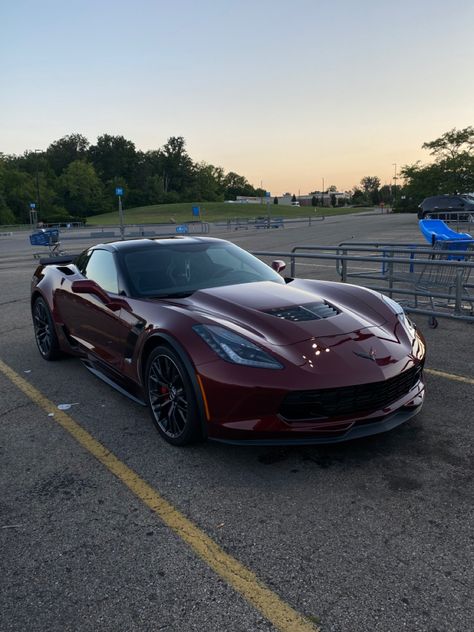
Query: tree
x: 206, y: 185
x: 20, y: 191
x: 67, y: 149
x: 314, y: 201
x: 332, y: 188
x: 113, y: 156
x: 178, y: 168
x: 333, y: 200
x: 154, y: 189
x: 385, y: 194
x: 275, y: 200
x: 83, y: 192
x: 358, y: 197
x: 451, y: 172
x: 370, y: 183
x: 235, y: 185
x: 452, y: 144
x: 293, y: 198
x: 6, y: 214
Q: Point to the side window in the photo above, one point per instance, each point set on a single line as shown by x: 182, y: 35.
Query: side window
x: 101, y: 269
x: 81, y: 261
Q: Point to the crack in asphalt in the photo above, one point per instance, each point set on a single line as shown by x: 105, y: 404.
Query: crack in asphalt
x: 8, y: 331
x: 4, y: 413
x: 15, y: 300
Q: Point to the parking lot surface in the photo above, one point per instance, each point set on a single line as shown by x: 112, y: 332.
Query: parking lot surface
x: 117, y: 530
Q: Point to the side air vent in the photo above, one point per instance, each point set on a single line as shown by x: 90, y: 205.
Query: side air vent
x: 311, y: 311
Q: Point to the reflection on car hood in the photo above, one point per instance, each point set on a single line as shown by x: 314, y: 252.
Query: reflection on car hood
x: 282, y: 314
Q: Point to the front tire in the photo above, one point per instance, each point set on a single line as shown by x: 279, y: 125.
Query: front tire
x: 45, y: 333
x: 171, y: 398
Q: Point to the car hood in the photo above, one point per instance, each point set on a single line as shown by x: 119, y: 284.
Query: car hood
x: 284, y: 314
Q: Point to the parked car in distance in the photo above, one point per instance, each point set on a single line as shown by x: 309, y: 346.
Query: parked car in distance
x: 443, y: 205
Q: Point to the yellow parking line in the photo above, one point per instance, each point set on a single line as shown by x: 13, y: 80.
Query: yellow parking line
x: 243, y: 580
x: 450, y: 376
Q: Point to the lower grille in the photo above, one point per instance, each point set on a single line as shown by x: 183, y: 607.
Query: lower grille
x: 348, y: 400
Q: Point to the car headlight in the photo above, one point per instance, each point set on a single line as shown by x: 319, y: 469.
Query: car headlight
x: 397, y: 309
x: 394, y: 306
x: 234, y: 348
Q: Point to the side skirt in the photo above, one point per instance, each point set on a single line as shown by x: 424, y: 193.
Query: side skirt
x: 108, y: 380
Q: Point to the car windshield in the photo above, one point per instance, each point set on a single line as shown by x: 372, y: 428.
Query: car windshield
x: 177, y: 270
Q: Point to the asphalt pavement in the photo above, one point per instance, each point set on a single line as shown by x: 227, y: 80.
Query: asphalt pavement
x: 370, y: 536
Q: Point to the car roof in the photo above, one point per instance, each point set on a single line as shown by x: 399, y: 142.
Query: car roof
x: 129, y: 245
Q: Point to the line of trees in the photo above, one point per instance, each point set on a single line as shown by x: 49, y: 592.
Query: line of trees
x: 73, y: 179
x: 450, y: 172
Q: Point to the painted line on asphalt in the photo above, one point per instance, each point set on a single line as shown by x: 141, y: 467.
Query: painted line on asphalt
x: 242, y: 579
x: 450, y: 376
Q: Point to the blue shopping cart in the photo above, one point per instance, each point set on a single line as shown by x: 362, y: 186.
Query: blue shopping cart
x: 48, y: 238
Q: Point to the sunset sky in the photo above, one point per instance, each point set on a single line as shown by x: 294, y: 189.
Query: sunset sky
x: 285, y: 93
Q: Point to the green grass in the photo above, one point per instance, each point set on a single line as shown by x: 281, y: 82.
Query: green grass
x: 210, y: 212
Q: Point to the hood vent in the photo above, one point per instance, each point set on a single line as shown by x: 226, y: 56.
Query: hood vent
x: 311, y: 311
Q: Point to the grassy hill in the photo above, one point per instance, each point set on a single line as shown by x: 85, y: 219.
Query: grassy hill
x: 210, y: 212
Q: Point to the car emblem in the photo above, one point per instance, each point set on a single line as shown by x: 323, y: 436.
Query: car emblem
x: 367, y: 356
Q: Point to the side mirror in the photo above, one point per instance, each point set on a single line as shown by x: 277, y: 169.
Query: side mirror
x: 278, y: 265
x: 86, y: 286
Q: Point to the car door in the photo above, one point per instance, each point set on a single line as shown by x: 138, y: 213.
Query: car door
x: 93, y: 323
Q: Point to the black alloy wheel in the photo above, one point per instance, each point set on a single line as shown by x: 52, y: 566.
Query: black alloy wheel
x: 171, y: 398
x: 45, y: 334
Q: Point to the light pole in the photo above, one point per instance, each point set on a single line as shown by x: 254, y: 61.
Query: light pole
x: 394, y: 193
x: 38, y: 198
x: 322, y: 194
x: 119, y: 193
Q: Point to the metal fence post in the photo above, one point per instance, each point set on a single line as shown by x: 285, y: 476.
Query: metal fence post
x: 293, y: 264
x: 344, y: 267
x: 390, y: 274
x: 458, y: 298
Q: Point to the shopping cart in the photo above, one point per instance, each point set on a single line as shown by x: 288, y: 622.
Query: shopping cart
x: 446, y: 286
x: 48, y: 238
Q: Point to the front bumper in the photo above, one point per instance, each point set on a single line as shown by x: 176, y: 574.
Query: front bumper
x: 355, y: 432
x: 242, y: 411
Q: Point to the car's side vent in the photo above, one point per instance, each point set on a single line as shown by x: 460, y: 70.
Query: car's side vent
x: 66, y: 270
x: 311, y: 311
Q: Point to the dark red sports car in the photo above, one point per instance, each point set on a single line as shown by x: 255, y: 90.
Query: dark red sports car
x: 219, y: 345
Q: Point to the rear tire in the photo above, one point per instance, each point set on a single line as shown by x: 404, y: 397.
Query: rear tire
x: 45, y: 332
x: 171, y: 398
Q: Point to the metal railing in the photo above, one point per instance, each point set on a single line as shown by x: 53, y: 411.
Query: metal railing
x: 435, y: 280
x: 268, y: 221
x: 459, y: 220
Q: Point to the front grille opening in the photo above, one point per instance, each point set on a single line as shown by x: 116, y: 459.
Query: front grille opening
x: 310, y: 311
x: 348, y: 400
